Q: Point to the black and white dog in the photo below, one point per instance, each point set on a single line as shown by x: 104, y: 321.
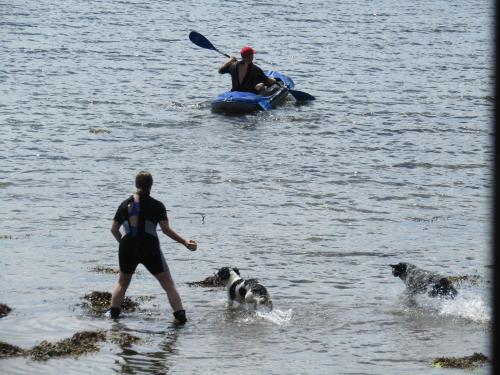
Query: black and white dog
x: 418, y: 280
x: 244, y: 291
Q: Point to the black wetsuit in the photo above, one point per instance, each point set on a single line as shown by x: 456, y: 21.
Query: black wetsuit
x: 144, y: 247
x: 254, y: 76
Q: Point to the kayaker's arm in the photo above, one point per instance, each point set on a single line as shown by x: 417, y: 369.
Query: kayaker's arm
x: 224, y: 67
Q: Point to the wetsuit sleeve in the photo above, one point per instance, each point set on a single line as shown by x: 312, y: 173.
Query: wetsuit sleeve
x: 228, y: 69
x: 261, y: 77
x: 162, y: 212
x: 120, y: 214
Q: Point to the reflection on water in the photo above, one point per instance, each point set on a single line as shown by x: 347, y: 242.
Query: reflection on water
x: 133, y: 361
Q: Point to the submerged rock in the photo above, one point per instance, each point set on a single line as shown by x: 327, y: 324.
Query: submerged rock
x: 8, y: 350
x: 210, y: 281
x: 100, y: 302
x: 78, y: 344
x: 469, y: 362
x: 4, y: 310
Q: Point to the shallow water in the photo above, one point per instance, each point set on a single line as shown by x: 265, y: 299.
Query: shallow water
x: 391, y: 163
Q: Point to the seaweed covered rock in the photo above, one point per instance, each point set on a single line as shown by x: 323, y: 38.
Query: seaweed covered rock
x: 8, y: 350
x: 4, y: 310
x: 99, y: 302
x: 468, y: 362
x: 209, y: 282
x: 78, y: 344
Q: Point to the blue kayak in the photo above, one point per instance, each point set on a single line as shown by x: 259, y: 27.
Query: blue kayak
x: 245, y: 102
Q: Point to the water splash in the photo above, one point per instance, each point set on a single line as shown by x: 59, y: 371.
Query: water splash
x: 470, y: 304
x: 248, y: 315
x: 469, y: 307
x: 277, y: 317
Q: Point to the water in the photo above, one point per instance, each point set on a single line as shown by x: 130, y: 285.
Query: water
x: 391, y: 163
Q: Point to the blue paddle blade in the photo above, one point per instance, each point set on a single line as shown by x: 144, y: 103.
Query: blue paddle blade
x: 200, y: 40
x: 203, y: 42
x: 301, y: 95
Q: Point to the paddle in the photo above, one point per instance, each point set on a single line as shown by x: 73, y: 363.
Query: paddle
x: 203, y: 42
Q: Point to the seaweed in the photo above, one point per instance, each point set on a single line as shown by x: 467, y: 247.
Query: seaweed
x: 99, y: 130
x: 123, y: 339
x: 4, y: 310
x: 78, y: 344
x: 8, y: 350
x: 100, y: 302
x: 109, y: 270
x: 468, y: 362
x: 209, y: 282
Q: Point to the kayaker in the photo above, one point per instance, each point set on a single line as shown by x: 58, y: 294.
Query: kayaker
x: 245, y: 75
x: 139, y: 215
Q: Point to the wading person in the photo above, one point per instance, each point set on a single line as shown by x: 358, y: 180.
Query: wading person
x: 245, y: 75
x: 139, y: 215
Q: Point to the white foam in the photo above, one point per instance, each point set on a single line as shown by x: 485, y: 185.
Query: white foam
x: 277, y: 317
x: 472, y: 308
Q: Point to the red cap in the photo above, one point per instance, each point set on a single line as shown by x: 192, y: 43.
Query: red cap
x: 247, y: 51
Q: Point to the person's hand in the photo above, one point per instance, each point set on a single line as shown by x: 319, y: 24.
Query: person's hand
x: 233, y: 59
x: 191, y: 245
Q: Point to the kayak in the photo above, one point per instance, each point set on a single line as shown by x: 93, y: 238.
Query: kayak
x: 238, y: 102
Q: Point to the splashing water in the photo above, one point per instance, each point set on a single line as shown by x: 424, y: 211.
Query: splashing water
x: 472, y: 308
x: 470, y: 304
x: 247, y: 315
x: 277, y: 317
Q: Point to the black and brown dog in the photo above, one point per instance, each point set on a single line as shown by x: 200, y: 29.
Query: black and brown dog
x: 418, y: 280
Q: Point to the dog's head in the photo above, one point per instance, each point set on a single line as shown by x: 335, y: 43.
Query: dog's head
x: 225, y: 272
x: 399, y: 270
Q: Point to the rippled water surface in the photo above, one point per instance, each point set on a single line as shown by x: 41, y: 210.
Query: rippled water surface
x: 391, y: 163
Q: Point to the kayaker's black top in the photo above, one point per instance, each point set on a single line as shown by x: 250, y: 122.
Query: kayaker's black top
x: 254, y: 76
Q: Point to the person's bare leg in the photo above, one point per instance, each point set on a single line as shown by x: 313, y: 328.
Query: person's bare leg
x: 174, y: 298
x: 167, y: 283
x: 118, y: 293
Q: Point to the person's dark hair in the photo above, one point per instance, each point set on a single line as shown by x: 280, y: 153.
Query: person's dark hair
x: 144, y: 182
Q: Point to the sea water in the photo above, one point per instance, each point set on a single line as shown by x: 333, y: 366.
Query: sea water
x: 391, y: 163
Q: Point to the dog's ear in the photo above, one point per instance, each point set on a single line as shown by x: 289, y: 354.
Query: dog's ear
x: 235, y: 269
x: 223, y: 273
